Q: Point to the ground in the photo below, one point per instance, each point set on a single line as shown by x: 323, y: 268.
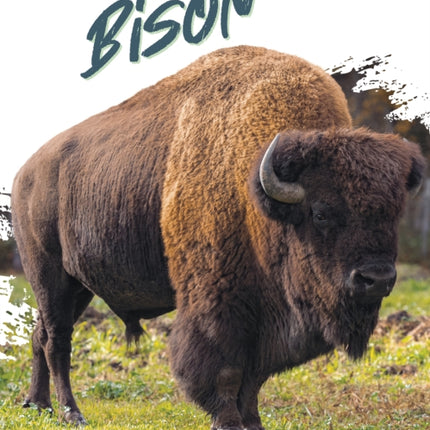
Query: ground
x: 120, y: 388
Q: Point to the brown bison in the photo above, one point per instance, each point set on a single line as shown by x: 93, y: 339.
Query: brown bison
x: 272, y: 255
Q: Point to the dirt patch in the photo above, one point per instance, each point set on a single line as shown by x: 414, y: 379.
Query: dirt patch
x: 403, y: 324
x: 405, y: 370
x: 422, y: 330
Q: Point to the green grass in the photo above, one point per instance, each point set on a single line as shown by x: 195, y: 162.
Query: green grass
x: 412, y: 292
x: 120, y: 388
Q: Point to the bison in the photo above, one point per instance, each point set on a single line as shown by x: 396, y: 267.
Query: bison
x: 236, y: 191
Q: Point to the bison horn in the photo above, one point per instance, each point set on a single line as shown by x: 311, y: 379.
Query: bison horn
x: 285, y: 192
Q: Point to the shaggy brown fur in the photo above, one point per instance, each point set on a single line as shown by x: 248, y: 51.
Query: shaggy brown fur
x: 159, y: 197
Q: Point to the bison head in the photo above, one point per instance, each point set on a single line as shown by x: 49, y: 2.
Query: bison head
x: 333, y: 200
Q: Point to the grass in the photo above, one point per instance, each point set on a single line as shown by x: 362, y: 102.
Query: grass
x: 120, y: 388
x: 411, y: 292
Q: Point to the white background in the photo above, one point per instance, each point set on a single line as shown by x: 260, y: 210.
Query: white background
x: 44, y: 50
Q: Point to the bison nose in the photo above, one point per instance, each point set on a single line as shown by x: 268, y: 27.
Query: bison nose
x: 373, y: 281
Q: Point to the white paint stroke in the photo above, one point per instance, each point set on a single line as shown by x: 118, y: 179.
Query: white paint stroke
x: 14, y: 326
x: 5, y: 227
x: 380, y: 73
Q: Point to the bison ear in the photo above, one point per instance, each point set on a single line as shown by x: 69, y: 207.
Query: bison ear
x: 416, y: 175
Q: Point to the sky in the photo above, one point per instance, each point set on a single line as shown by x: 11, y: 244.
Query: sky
x: 45, y: 49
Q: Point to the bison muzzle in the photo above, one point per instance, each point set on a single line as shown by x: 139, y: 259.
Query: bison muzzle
x: 372, y: 281
x: 236, y: 191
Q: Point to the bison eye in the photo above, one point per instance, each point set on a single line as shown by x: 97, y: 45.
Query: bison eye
x: 321, y: 217
x: 320, y: 220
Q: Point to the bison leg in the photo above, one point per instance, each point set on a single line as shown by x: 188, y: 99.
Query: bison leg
x: 205, y: 375
x: 61, y: 300
x: 68, y: 308
x: 248, y: 403
x: 228, y: 384
x: 39, y: 389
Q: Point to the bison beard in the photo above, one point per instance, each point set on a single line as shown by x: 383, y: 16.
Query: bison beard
x: 163, y: 202
x: 354, y: 327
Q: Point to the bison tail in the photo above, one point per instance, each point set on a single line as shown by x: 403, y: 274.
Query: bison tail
x: 133, y: 332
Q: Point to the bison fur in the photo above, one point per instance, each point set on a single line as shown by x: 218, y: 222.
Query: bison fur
x: 158, y: 203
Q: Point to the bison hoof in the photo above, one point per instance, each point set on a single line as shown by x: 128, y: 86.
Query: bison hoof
x: 38, y: 405
x: 42, y: 406
x: 74, y: 418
